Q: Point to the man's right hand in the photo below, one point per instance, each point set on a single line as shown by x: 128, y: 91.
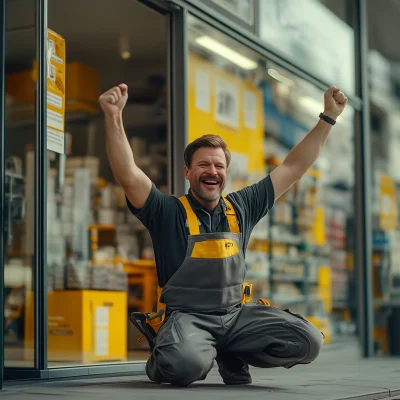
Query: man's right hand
x: 113, y: 101
x: 136, y: 184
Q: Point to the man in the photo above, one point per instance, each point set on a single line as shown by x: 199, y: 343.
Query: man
x: 200, y: 241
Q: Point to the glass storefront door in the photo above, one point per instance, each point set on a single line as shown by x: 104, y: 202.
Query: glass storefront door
x: 64, y: 218
x: 99, y: 256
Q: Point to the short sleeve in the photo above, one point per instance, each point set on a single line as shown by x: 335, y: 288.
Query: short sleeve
x: 256, y: 200
x: 156, y: 207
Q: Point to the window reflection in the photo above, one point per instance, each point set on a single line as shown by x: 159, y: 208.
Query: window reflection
x: 300, y: 255
x: 100, y: 258
x: 19, y: 183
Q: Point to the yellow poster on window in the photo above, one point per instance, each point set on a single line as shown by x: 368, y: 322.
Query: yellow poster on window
x: 388, y: 206
x: 225, y: 104
x: 55, y: 92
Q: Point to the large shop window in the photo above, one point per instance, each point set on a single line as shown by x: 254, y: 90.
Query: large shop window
x: 100, y: 262
x: 300, y: 255
x: 303, y: 31
x: 385, y: 183
x: 100, y: 257
x: 19, y: 182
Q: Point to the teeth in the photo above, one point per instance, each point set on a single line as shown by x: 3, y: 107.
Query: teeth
x: 211, y: 182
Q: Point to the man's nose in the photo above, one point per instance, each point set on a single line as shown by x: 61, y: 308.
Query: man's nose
x: 212, y: 170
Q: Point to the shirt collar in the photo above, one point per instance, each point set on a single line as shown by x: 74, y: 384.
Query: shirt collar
x: 222, y: 206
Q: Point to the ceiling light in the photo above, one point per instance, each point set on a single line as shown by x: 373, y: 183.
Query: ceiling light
x: 126, y: 55
x: 226, y: 52
x: 124, y: 48
x: 273, y: 73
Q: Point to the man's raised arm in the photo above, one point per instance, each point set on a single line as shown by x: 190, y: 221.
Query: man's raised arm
x: 305, y: 153
x: 136, y: 184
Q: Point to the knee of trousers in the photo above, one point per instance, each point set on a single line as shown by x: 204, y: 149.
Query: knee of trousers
x: 315, y: 339
x: 182, y: 363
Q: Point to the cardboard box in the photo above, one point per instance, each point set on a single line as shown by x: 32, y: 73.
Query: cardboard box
x: 82, y: 90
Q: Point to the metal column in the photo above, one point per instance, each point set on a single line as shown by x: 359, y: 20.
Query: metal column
x: 178, y: 96
x: 2, y: 176
x: 40, y: 281
x: 363, y: 190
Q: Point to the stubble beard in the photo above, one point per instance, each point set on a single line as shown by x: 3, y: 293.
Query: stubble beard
x: 208, y: 197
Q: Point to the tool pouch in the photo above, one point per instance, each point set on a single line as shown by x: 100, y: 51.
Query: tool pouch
x: 246, y: 295
x: 263, y: 302
x: 246, y: 292
x: 149, y: 323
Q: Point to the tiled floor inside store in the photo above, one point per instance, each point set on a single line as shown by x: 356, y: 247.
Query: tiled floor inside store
x: 15, y: 357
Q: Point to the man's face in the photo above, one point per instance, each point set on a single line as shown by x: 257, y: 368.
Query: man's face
x: 207, y: 173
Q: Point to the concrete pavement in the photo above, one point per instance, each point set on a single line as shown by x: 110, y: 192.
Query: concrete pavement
x: 338, y: 373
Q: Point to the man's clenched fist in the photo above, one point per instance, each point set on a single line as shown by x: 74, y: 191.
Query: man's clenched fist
x: 113, y: 101
x: 334, y: 102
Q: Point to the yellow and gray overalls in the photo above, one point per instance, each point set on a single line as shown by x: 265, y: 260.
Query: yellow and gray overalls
x: 207, y: 310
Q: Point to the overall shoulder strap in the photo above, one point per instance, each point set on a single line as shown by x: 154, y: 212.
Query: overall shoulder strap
x: 193, y: 223
x: 231, y: 216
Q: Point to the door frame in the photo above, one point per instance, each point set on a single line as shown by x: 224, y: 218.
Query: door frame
x: 2, y: 176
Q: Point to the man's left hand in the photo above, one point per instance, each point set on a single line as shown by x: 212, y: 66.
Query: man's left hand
x: 334, y: 101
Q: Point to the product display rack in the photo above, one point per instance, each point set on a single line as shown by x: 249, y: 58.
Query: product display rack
x: 293, y: 277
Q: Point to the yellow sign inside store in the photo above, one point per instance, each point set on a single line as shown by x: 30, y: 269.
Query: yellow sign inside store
x: 388, y: 206
x: 223, y: 104
x: 319, y: 227
x: 56, y: 60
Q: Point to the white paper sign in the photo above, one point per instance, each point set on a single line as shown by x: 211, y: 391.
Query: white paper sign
x: 55, y: 140
x: 250, y: 110
x: 102, y: 317
x: 55, y: 120
x: 202, y: 90
x: 226, y: 103
x: 54, y: 100
x: 102, y: 326
x: 101, y: 342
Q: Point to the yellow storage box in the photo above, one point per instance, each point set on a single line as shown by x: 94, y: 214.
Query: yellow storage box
x: 84, y: 326
x: 82, y: 91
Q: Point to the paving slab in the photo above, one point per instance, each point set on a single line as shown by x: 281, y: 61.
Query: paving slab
x: 339, y: 373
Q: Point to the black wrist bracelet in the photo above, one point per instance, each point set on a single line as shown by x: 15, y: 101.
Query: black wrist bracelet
x: 327, y: 119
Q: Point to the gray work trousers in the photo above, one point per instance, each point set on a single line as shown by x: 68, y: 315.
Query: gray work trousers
x: 263, y: 336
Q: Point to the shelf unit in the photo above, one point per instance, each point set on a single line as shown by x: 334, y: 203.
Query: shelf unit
x: 292, y: 282
x: 337, y: 232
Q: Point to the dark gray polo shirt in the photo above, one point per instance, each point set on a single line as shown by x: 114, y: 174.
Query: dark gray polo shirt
x: 165, y: 218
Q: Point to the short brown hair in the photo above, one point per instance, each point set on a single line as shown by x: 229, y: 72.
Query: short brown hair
x: 214, y: 141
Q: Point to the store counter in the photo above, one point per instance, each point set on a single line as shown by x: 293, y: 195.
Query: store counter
x: 142, y: 282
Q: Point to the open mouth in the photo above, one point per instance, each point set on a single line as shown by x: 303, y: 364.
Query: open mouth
x: 210, y: 182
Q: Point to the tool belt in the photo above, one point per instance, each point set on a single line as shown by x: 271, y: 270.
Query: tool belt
x: 246, y: 295
x: 149, y: 323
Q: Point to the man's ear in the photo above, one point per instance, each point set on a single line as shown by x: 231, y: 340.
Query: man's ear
x: 186, y: 172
